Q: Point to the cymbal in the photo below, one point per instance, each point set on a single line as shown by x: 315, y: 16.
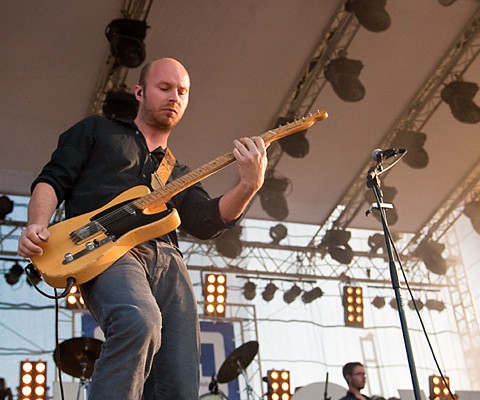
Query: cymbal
x: 237, y: 360
x: 77, y: 356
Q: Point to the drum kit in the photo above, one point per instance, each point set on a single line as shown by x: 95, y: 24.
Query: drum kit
x: 76, y: 357
x: 234, y: 365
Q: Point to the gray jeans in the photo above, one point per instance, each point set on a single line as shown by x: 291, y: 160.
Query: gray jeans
x: 146, y: 307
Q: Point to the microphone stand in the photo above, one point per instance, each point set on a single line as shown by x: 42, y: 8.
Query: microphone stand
x: 373, y: 182
x: 325, y: 393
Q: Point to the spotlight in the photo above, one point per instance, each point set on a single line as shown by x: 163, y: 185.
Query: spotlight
x: 13, y: 275
x: 336, y: 242
x: 436, y: 305
x: 343, y: 73
x: 472, y: 211
x: 389, y: 193
x: 278, y: 233
x: 311, y: 295
x: 438, y: 387
x: 291, y: 294
x: 6, y: 206
x: 228, y: 243
x: 371, y: 14
x: 269, y: 291
x: 413, y: 141
x: 353, y: 306
x: 393, y: 304
x: 376, y: 243
x: 126, y: 41
x: 296, y: 145
x: 121, y: 105
x: 249, y: 290
x: 459, y: 96
x: 412, y: 303
x: 272, y: 197
x: 431, y: 254
x: 378, y: 302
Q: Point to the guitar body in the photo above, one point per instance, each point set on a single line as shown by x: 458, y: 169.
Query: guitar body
x: 92, y: 256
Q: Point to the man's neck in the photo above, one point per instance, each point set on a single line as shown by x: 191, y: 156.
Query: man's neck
x: 154, y: 137
x: 356, y: 393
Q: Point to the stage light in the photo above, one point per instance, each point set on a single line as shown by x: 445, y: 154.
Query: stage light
x: 413, y: 141
x: 278, y: 382
x: 215, y: 294
x: 472, y: 211
x: 459, y: 96
x: 435, y: 305
x: 431, y: 254
x: 13, y: 275
x: 411, y: 304
x: 378, y: 302
x: 376, y: 242
x: 343, y: 73
x: 272, y: 197
x: 126, y: 41
x: 336, y: 243
x: 291, y: 294
x: 74, y: 300
x: 278, y: 233
x: 389, y: 193
x: 353, y: 306
x: 249, y: 290
x: 121, y: 105
x: 393, y: 304
x: 6, y: 206
x: 371, y: 14
x: 33, y: 380
x: 295, y: 145
x: 315, y: 293
x: 228, y: 244
x: 269, y: 291
x: 438, y: 388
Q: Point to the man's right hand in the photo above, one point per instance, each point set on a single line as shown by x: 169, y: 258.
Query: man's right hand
x: 31, y: 240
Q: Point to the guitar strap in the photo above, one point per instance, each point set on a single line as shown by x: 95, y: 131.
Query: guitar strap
x: 164, y: 170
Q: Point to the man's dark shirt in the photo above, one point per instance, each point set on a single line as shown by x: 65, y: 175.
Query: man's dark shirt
x: 99, y: 158
x: 351, y: 396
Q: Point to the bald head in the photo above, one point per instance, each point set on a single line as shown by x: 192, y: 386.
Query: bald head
x: 161, y: 63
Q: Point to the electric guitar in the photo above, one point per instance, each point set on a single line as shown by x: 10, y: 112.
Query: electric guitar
x: 84, y: 246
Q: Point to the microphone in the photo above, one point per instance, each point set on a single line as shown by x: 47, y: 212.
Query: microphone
x: 380, y: 155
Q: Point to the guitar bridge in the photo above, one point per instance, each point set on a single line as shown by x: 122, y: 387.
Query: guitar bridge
x: 89, y: 247
x: 86, y: 231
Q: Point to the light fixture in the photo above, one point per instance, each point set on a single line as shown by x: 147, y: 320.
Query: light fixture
x: 215, y: 294
x: 343, y: 73
x: 6, y: 206
x: 249, y: 290
x: 33, y: 380
x: 472, y: 211
x: 438, y: 387
x: 278, y: 233
x: 311, y: 295
x: 336, y: 243
x: 393, y: 304
x: 353, y: 306
x: 121, y: 105
x: 13, y: 275
x: 272, y: 196
x: 371, y: 14
x: 430, y: 253
x: 74, y: 300
x: 269, y: 292
x: 376, y: 242
x: 278, y: 382
x: 126, y: 41
x: 459, y: 96
x: 378, y: 302
x: 389, y: 193
x: 291, y: 294
x: 413, y: 141
x: 436, y: 305
x: 228, y: 244
x: 412, y: 302
x: 295, y: 145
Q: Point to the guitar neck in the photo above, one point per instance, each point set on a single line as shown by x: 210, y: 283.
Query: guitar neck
x: 165, y: 193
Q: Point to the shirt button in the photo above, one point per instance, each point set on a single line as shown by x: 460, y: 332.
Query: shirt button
x: 144, y: 175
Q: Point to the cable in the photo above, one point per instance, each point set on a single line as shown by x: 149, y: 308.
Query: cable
x: 32, y: 274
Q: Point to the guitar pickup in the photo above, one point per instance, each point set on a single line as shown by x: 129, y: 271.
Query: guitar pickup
x: 86, y: 231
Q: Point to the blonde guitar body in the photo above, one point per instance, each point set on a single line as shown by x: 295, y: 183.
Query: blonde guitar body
x: 83, y: 247
x: 94, y: 255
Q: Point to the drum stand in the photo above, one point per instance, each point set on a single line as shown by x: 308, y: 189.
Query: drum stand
x: 83, y: 384
x: 248, y: 388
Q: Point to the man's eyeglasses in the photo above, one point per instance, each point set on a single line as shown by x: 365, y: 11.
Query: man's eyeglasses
x: 359, y: 374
